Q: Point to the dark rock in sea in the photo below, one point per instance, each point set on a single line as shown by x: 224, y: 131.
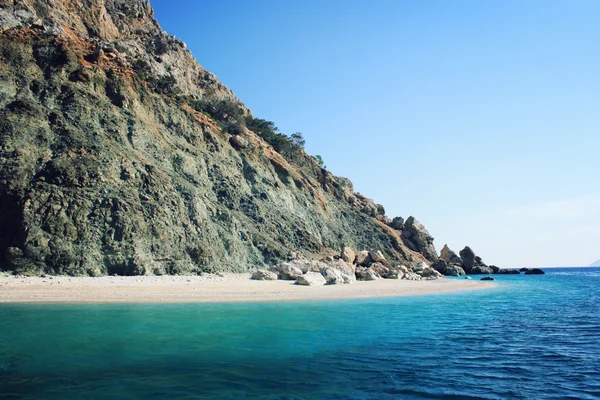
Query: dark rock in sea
x: 509, y: 272
x: 481, y: 270
x: 494, y: 268
x: 534, y: 271
x: 524, y: 269
x: 487, y: 278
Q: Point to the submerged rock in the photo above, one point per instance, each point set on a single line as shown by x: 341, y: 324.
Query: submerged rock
x: 487, y: 278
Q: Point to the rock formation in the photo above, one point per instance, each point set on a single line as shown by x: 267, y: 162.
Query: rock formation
x: 120, y: 154
x: 417, y: 238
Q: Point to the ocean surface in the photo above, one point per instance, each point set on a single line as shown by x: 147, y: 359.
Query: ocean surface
x: 532, y: 337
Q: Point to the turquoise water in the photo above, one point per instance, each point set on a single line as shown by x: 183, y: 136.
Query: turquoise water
x: 531, y: 337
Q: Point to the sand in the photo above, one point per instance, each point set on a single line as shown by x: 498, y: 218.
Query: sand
x: 207, y: 288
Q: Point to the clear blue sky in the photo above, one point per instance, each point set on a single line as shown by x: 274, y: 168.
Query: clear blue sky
x: 480, y: 118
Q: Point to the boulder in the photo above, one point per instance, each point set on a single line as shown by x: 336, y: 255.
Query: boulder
x: 524, y: 269
x: 348, y: 255
x: 439, y: 265
x: 239, y: 142
x: 450, y: 257
x: 494, y: 268
x: 334, y: 276
x: 411, y: 276
x: 481, y: 270
x: 425, y: 271
x: 382, y: 270
x: 264, y: 275
x: 311, y: 279
x: 377, y: 257
x: 534, y: 271
x: 418, y: 239
x: 363, y: 259
x: 487, y: 278
x: 397, y: 223
x: 344, y: 267
x: 453, y: 270
x: 509, y: 272
x: 366, y: 274
x: 286, y: 271
x: 468, y: 259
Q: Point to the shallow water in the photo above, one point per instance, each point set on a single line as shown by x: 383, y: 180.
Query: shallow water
x: 531, y: 337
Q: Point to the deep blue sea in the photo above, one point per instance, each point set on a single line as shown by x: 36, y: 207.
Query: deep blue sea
x: 532, y: 337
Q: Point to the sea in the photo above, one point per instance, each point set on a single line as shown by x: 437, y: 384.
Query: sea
x: 529, y: 337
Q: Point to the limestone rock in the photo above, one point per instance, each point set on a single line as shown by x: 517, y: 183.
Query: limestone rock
x: 377, y: 257
x: 264, y: 275
x: 348, y: 255
x: 363, y: 259
x: 425, y: 271
x: 366, y: 274
x: 286, y: 271
x: 334, y: 276
x: 311, y: 279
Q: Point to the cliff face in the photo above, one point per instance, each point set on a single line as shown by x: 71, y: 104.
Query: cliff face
x: 107, y: 167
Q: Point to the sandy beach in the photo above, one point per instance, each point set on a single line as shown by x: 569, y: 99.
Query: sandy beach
x: 206, y: 288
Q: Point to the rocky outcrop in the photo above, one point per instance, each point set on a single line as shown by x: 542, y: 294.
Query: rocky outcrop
x: 450, y: 257
x: 417, y: 238
x: 264, y: 275
x: 448, y: 270
x: 120, y: 154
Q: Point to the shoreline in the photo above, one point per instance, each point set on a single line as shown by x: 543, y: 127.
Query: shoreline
x: 224, y: 288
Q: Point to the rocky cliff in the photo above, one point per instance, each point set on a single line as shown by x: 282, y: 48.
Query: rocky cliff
x: 120, y: 154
